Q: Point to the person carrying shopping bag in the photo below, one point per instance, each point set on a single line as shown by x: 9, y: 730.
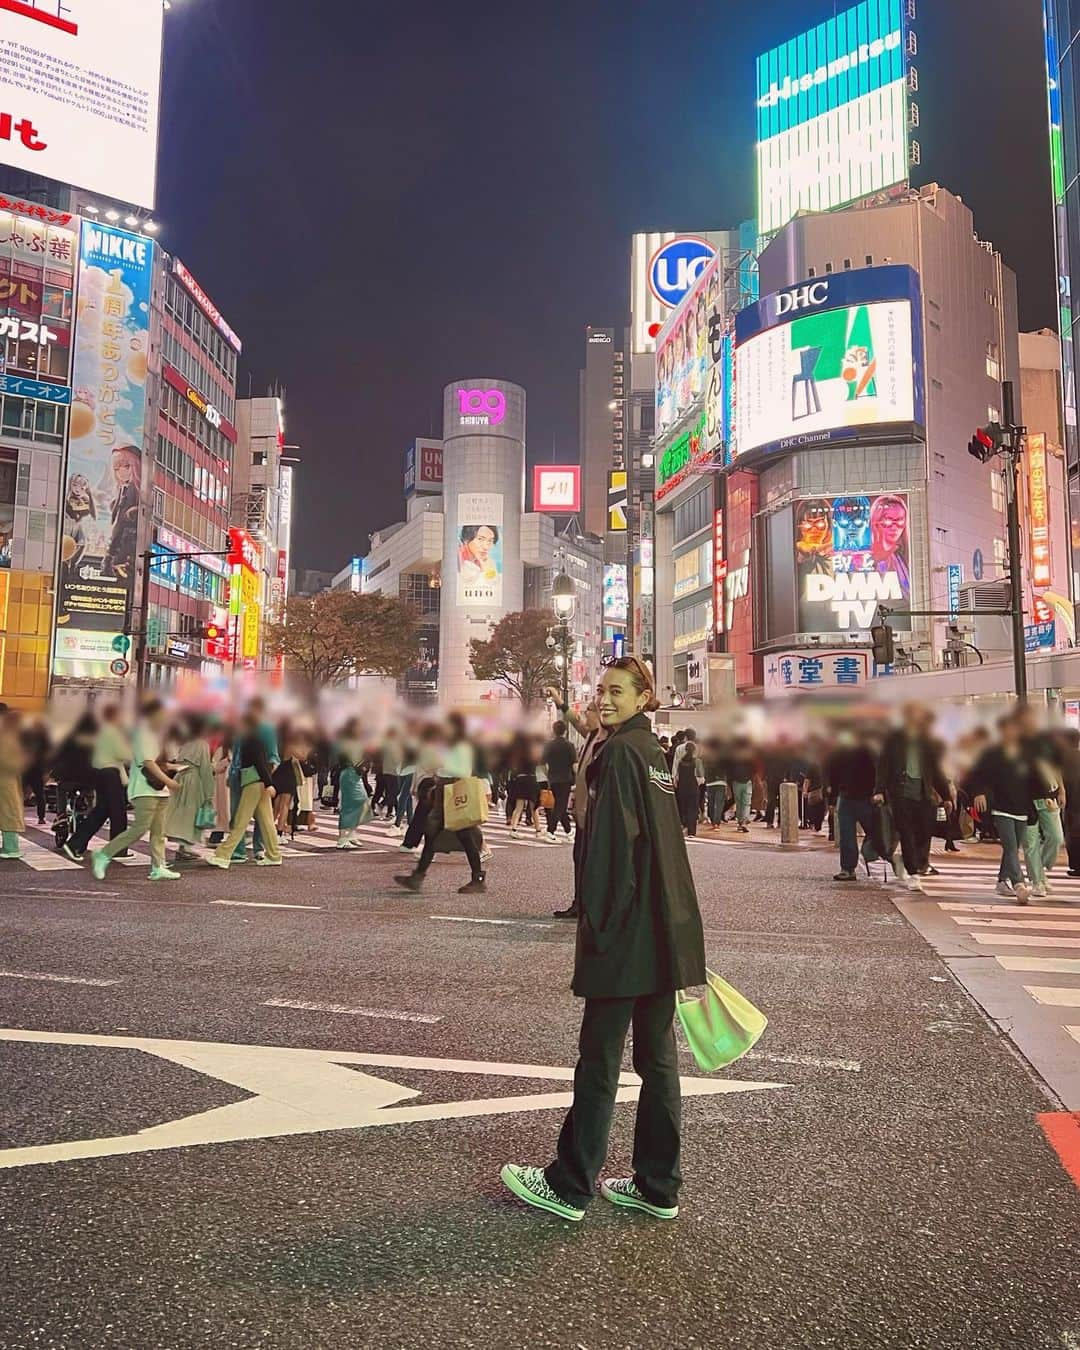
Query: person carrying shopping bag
x: 639, y: 940
x: 255, y: 801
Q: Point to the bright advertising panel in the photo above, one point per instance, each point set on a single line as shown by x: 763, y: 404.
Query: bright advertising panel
x: 480, y: 549
x: 1038, y: 511
x: 557, y: 487
x: 663, y: 268
x: 616, y: 593
x: 852, y: 553
x: 80, y: 81
x: 617, y: 500
x: 102, y: 488
x: 832, y: 114
x: 835, y: 358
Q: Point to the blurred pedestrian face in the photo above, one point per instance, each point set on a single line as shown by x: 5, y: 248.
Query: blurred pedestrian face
x: 618, y: 700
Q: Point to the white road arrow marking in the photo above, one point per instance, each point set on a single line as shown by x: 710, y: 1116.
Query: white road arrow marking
x: 308, y: 1092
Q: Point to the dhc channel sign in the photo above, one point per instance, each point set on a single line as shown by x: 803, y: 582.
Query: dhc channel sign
x: 675, y: 267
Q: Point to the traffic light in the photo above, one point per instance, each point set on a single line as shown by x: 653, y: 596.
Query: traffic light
x: 987, y: 442
x: 882, y: 638
x: 212, y: 632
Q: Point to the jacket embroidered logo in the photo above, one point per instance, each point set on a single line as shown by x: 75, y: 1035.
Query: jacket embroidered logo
x: 661, y: 779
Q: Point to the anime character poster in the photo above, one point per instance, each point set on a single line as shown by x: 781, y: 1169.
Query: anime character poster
x: 100, y: 519
x: 480, y: 549
x: 852, y: 553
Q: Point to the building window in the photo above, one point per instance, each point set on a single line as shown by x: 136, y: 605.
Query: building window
x: 869, y: 260
x: 847, y: 264
x: 997, y: 491
x: 694, y: 514
x: 1000, y: 554
x: 828, y: 267
x: 993, y: 361
x: 811, y: 271
x: 992, y: 414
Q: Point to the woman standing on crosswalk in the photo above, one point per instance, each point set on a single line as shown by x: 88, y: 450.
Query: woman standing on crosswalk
x: 354, y: 809
x: 639, y: 940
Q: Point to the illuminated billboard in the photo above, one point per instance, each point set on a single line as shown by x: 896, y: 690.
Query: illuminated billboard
x: 80, y: 81
x: 616, y: 593
x: 557, y: 487
x: 103, y: 481
x: 480, y: 549
x: 617, y: 500
x: 852, y: 553
x: 837, y: 358
x: 663, y: 269
x: 832, y: 113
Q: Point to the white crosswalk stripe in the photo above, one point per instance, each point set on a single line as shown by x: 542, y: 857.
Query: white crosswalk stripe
x: 1045, y: 936
x: 40, y: 853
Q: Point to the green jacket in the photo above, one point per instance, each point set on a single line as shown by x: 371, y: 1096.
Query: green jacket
x: 639, y: 931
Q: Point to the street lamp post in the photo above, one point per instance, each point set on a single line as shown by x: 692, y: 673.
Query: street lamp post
x: 563, y: 600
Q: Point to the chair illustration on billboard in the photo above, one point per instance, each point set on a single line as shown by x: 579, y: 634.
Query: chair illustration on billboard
x: 808, y: 359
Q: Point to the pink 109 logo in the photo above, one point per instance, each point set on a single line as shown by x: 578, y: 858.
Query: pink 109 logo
x: 481, y: 407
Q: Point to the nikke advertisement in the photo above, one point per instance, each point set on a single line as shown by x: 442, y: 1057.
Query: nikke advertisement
x: 104, y: 466
x: 835, y: 358
x: 80, y: 80
x: 852, y: 553
x: 480, y: 549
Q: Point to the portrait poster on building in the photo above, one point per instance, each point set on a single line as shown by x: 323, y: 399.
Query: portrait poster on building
x: 851, y: 554
x: 480, y: 549
x: 100, y: 519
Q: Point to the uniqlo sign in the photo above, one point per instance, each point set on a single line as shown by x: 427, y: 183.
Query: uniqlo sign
x: 79, y: 89
x: 557, y: 487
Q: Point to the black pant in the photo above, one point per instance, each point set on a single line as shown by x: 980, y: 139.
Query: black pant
x: 34, y: 779
x: 559, y: 815
x: 1072, y: 843
x: 110, y: 804
x: 686, y: 795
x: 579, y: 863
x: 583, y: 1140
x: 913, y: 820
x: 424, y: 795
x: 391, y: 783
x: 772, y: 804
x: 467, y: 840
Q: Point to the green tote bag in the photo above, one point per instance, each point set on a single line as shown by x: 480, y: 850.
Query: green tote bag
x: 720, y: 1027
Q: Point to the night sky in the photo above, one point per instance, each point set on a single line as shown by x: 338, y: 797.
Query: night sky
x: 383, y: 198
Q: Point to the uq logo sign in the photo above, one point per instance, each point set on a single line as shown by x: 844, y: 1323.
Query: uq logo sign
x: 481, y: 407
x: 674, y: 267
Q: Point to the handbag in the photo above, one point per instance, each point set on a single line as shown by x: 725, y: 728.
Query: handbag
x: 465, y: 804
x: 547, y: 799
x: 206, y: 817
x: 721, y: 1027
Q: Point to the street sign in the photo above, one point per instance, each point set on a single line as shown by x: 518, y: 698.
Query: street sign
x: 121, y: 644
x: 119, y: 667
x: 977, y: 564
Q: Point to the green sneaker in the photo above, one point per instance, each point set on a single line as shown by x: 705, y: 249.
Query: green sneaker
x: 530, y: 1184
x: 163, y: 874
x: 624, y: 1192
x: 212, y: 860
x: 99, y: 861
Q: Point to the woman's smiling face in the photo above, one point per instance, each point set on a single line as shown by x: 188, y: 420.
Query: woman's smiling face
x: 617, y: 700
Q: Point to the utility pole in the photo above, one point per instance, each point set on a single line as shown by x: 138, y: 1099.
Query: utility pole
x: 1012, y: 502
x: 1007, y: 440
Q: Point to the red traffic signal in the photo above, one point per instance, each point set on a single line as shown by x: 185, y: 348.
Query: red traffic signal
x: 987, y: 442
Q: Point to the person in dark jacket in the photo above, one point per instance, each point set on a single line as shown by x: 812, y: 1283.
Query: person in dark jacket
x: 639, y: 940
x: 1007, y: 782
x: 851, y: 774
x: 558, y: 760
x: 1069, y: 757
x: 911, y: 781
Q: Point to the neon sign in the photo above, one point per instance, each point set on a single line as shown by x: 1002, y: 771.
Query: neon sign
x: 481, y: 407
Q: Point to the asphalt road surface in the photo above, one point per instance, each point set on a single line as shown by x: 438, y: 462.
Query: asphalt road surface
x: 269, y: 1108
